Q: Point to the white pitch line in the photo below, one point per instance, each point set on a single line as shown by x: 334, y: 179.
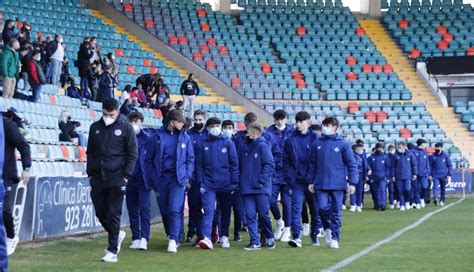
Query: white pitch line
x: 394, y: 236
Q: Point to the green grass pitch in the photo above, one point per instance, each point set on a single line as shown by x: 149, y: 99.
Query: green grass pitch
x: 445, y: 242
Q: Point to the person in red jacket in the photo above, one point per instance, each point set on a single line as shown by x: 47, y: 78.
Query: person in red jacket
x: 36, y: 76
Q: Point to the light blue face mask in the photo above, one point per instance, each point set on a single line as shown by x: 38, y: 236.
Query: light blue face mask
x: 215, y: 131
x: 328, y: 131
x: 227, y: 133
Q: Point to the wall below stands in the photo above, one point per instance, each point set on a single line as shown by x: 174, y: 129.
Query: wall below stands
x: 218, y: 86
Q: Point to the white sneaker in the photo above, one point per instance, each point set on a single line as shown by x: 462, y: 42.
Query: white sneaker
x: 422, y: 203
x: 206, y: 243
x: 395, y: 202
x: 353, y: 208
x: 441, y: 203
x: 135, y: 244
x: 359, y: 209
x: 306, y: 229
x: 407, y: 206
x: 295, y: 243
x: 398, y: 205
x: 413, y: 206
x: 11, y: 245
x: 109, y: 257
x: 343, y: 207
x: 225, y: 242
x: 327, y: 237
x: 286, y: 235
x: 279, y: 229
x: 122, y: 235
x: 320, y: 233
x: 172, y: 247
x: 392, y: 207
x: 418, y: 206
x: 402, y: 208
x: 334, y: 244
x: 143, y: 244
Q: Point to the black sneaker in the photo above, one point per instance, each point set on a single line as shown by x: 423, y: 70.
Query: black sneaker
x: 295, y: 243
x: 190, y: 240
x: 263, y: 242
x: 237, y: 237
x: 271, y: 243
x: 436, y: 203
x: 251, y: 247
x: 244, y: 229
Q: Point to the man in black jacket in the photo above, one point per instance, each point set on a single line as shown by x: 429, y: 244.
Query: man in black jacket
x: 13, y: 140
x: 83, y: 63
x: 111, y: 157
x: 189, y: 90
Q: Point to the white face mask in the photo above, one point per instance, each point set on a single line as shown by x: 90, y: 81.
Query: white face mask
x: 392, y: 152
x: 61, y: 40
x: 37, y: 58
x: 108, y: 120
x: 360, y: 152
x: 281, y: 127
x: 401, y: 150
x: 215, y: 131
x: 328, y: 131
x: 227, y: 133
x: 136, y: 128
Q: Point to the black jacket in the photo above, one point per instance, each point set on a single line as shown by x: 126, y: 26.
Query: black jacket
x: 14, y: 140
x: 83, y: 61
x: 148, y: 81
x: 68, y: 130
x: 112, y: 150
x: 126, y: 109
x: 189, y: 87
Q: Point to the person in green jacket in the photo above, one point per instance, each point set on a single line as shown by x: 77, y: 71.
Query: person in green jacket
x: 10, y: 67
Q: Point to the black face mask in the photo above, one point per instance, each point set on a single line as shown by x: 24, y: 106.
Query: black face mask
x: 437, y: 151
x: 379, y: 151
x: 198, y: 126
x: 248, y: 139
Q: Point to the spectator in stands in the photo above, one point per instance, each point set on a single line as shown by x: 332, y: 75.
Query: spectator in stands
x: 127, y: 107
x: 180, y: 106
x: 10, y: 67
x: 40, y: 44
x: 166, y: 107
x: 68, y: 129
x: 189, y: 90
x: 139, y: 95
x: 114, y: 66
x: 126, y: 93
x: 8, y: 32
x: 148, y: 81
x: 14, y: 140
x: 110, y: 137
x: 162, y: 92
x: 95, y: 50
x: 56, y: 56
x: 24, y: 36
x: 36, y: 76
x: 84, y: 65
x: 139, y: 189
x: 65, y: 73
x: 74, y: 92
x: 107, y: 85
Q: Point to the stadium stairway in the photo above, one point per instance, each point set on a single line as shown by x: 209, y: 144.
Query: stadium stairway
x: 211, y: 96
x: 452, y: 125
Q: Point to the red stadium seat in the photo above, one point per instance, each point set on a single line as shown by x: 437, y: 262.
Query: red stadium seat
x: 158, y: 113
x: 381, y: 116
x: 240, y: 126
x: 223, y: 50
x: 360, y: 31
x: 470, y: 51
x: 370, y: 116
x: 351, y: 76
x: 201, y: 12
x: 149, y: 23
x: 300, y: 31
x: 414, y: 53
x: 173, y: 40
x: 377, y: 68
x: 405, y: 133
x: 146, y: 62
x: 119, y: 52
x: 205, y: 27
x: 204, y: 49
x: 430, y: 150
x: 442, y: 45
x: 210, y: 65
x: 91, y: 114
x: 65, y: 152
x: 128, y: 7
x: 266, y: 68
x: 197, y: 56
x: 387, y: 68
x: 153, y: 70
x: 211, y: 41
x: 367, y: 68
x: 403, y: 24
x: 235, y: 82
x: 52, y: 99
x: 441, y: 29
x: 448, y: 37
x: 351, y: 60
x: 182, y: 40
x: 82, y: 153
x: 131, y: 69
x: 353, y: 107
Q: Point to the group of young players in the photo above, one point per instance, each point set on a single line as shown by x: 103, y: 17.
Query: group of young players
x: 250, y: 172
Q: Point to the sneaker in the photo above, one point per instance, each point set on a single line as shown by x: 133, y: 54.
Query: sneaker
x: 206, y: 244
x: 315, y: 241
x: 244, y: 229
x: 327, y: 237
x: 306, y: 229
x: 237, y: 237
x: 279, y: 229
x: 271, y: 243
x: 109, y: 258
x: 398, y: 205
x: 190, y: 240
x: 402, y: 208
x: 135, y: 244
x: 251, y: 247
x: 220, y: 240
x: 418, y: 206
x: 413, y: 206
x: 11, y: 245
x: 263, y: 242
x: 353, y: 208
x: 334, y: 244
x: 358, y: 209
x: 321, y: 233
x: 395, y: 202
x: 441, y: 203
x: 295, y: 243
x: 285, y: 236
x: 143, y: 244
x: 172, y: 247
x: 122, y: 235
x: 343, y: 207
x: 435, y: 202
x: 407, y: 206
x: 392, y: 207
x: 225, y: 242
x: 422, y: 203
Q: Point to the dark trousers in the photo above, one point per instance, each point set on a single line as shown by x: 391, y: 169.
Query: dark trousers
x: 195, y: 211
x: 7, y: 208
x: 3, y: 243
x: 139, y: 208
x: 107, y: 197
